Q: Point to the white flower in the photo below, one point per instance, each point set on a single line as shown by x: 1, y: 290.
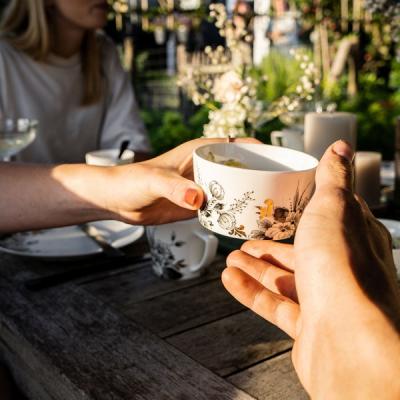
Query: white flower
x: 228, y: 87
x: 227, y: 121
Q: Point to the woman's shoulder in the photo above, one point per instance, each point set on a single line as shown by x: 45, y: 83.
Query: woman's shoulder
x: 6, y: 48
x: 109, y: 54
x: 107, y: 46
x: 10, y: 57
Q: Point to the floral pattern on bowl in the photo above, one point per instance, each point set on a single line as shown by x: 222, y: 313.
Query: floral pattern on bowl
x: 225, y: 214
x: 274, y: 222
x: 265, y: 200
x: 280, y: 223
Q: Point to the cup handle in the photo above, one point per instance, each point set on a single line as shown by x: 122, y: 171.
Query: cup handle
x: 277, y: 138
x: 210, y: 249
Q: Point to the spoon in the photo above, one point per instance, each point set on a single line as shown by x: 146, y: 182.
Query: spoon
x: 123, y: 147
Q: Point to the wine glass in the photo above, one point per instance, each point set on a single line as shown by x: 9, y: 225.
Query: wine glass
x: 15, y: 135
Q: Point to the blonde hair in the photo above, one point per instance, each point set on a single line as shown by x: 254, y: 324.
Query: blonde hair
x: 25, y: 25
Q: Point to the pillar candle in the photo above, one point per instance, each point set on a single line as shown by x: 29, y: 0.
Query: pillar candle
x: 367, y: 180
x: 324, y: 128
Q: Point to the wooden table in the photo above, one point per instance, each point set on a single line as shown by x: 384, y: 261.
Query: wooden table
x: 126, y: 334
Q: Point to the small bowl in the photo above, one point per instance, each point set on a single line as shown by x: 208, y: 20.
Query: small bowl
x: 253, y: 191
x: 109, y: 157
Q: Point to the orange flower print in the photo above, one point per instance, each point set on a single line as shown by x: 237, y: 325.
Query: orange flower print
x: 267, y: 210
x: 277, y: 222
x: 280, y: 231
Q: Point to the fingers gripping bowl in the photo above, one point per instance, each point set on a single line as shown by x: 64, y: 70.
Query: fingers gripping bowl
x: 253, y: 191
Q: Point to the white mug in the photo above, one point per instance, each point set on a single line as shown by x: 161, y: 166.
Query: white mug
x: 109, y: 157
x: 181, y: 250
x: 291, y: 138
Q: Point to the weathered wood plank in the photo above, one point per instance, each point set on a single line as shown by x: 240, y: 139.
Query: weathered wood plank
x: 184, y: 309
x: 76, y: 347
x: 25, y: 372
x: 232, y: 343
x: 100, y: 270
x: 48, y: 267
x: 274, y: 379
x: 143, y: 284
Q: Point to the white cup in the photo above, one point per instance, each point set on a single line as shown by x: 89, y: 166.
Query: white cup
x: 253, y: 191
x: 291, y: 138
x: 181, y: 250
x: 109, y: 157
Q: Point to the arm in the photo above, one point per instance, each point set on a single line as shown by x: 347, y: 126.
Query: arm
x: 36, y: 196
x: 152, y: 192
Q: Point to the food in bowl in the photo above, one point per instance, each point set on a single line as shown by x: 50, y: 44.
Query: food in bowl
x: 229, y: 162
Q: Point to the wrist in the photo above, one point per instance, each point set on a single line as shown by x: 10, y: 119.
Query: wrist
x: 358, y: 366
x: 85, y: 191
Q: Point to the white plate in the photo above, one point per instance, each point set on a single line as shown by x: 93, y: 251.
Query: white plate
x: 394, y: 228
x: 69, y: 241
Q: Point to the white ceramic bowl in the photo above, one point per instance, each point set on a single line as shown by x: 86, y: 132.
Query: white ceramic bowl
x: 108, y: 157
x: 264, y: 200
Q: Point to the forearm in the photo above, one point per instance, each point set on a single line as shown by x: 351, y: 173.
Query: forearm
x: 34, y: 196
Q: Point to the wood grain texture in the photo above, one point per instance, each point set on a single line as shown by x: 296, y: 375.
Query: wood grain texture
x: 66, y: 344
x: 143, y: 284
x: 184, y: 309
x: 106, y: 266
x: 232, y: 343
x: 274, y: 379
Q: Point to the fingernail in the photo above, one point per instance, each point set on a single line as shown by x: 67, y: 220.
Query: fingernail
x: 191, y: 197
x: 343, y: 149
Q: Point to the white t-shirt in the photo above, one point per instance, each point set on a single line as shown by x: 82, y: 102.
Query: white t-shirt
x: 286, y: 25
x: 51, y: 93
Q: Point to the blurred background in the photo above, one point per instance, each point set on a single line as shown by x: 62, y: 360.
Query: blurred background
x: 353, y: 45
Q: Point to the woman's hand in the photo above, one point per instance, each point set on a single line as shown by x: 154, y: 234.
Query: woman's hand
x: 159, y: 190
x: 335, y: 291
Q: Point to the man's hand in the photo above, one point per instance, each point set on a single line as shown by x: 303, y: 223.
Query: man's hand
x: 335, y: 291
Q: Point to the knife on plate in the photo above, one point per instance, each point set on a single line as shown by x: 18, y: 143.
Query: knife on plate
x: 93, y: 233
